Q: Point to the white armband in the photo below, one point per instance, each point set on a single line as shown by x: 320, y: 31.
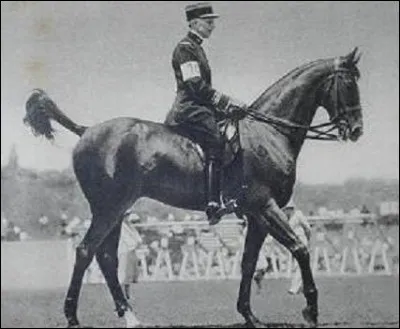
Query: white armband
x: 190, y: 70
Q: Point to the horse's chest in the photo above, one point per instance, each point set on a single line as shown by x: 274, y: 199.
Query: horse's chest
x: 273, y: 156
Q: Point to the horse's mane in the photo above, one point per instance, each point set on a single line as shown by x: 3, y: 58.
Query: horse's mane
x: 278, y: 85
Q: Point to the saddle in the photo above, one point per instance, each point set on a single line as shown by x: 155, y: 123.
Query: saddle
x: 229, y: 130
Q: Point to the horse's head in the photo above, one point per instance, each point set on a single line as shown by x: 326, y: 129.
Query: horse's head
x: 339, y: 95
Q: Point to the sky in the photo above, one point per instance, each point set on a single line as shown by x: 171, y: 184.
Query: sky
x: 100, y: 60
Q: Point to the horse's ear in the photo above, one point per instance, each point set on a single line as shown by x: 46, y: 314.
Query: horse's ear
x: 353, y: 57
x: 357, y: 58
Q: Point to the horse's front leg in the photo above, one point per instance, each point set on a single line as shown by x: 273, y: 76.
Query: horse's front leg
x: 254, y: 240
x: 277, y: 225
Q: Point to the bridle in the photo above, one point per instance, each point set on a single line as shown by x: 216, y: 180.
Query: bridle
x: 338, y: 121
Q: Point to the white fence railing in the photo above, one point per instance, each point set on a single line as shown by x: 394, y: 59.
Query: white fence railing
x: 195, y: 251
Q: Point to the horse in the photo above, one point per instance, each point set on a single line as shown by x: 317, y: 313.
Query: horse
x: 118, y: 161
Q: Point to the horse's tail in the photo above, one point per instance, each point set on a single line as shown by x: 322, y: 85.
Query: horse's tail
x: 40, y: 108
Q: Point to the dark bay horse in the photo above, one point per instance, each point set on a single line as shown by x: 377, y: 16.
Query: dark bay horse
x: 120, y: 160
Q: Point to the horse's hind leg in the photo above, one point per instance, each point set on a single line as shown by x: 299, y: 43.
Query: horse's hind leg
x: 277, y: 225
x: 99, y: 229
x: 107, y: 258
x: 253, y: 243
x: 83, y: 258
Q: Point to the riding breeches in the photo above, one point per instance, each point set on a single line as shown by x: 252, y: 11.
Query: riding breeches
x: 200, y: 124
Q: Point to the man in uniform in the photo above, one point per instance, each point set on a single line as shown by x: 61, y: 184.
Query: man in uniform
x: 300, y: 225
x: 198, y: 107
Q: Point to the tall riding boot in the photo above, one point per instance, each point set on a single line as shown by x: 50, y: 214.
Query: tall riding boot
x: 213, y: 190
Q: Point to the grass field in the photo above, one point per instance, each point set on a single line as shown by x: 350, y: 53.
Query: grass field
x: 351, y: 302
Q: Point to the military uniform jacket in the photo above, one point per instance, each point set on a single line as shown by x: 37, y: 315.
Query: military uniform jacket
x: 195, y: 97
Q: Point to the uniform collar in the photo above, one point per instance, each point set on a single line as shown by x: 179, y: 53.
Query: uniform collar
x: 195, y: 37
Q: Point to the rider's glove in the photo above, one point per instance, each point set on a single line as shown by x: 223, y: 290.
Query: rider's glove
x: 236, y: 109
x: 237, y: 112
x: 229, y: 105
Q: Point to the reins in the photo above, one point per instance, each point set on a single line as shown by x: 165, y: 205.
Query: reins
x: 317, y: 133
x: 282, y: 123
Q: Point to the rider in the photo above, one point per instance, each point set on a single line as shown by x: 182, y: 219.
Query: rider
x: 198, y: 106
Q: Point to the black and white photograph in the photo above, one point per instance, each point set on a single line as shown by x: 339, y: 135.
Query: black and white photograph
x: 200, y: 164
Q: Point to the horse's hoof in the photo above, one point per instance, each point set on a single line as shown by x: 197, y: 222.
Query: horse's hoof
x: 251, y: 319
x: 311, y: 316
x: 250, y: 324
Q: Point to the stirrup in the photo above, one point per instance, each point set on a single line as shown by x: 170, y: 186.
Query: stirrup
x: 215, y: 211
x: 212, y: 211
x: 229, y: 207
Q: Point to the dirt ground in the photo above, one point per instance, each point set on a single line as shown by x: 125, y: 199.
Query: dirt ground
x: 351, y: 302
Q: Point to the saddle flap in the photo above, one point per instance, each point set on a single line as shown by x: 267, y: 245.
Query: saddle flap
x: 230, y: 132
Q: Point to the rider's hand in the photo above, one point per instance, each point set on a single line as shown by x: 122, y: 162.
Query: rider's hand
x: 237, y: 109
x: 236, y: 112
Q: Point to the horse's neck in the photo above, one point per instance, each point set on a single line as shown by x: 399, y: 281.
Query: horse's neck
x: 293, y: 100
